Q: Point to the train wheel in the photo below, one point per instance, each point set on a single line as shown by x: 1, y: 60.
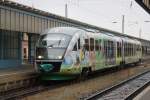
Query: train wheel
x: 84, y: 74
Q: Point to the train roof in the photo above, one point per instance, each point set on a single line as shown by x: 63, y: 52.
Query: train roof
x: 66, y: 30
x: 129, y: 40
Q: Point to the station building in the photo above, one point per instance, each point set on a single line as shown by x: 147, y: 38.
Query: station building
x: 20, y: 27
x: 145, y: 4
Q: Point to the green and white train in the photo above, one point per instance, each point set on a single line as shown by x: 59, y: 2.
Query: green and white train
x: 64, y: 52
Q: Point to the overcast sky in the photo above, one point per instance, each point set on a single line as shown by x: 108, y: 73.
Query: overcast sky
x: 101, y: 13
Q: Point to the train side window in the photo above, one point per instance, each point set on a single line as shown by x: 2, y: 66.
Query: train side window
x: 125, y: 52
x: 124, y: 48
x: 86, y: 45
x: 112, y: 47
x: 99, y: 45
x: 131, y: 49
x: 127, y: 49
x: 118, y: 49
x: 78, y: 44
x: 134, y: 49
x: 91, y: 44
x: 96, y: 45
x: 105, y: 49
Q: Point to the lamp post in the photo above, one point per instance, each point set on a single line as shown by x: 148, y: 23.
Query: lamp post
x: 140, y: 30
x: 66, y: 10
x: 123, y: 23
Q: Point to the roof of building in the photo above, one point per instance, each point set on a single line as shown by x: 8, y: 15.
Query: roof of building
x: 145, y: 5
x: 47, y: 14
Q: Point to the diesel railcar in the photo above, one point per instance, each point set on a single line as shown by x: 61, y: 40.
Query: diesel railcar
x: 62, y: 53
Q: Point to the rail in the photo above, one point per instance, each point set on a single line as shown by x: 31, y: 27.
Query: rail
x: 125, y: 90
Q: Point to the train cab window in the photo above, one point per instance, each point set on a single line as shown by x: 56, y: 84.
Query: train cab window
x: 75, y: 47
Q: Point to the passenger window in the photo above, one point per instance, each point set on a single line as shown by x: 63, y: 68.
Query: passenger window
x: 99, y: 44
x: 96, y: 45
x: 78, y: 43
x: 92, y: 44
x: 86, y: 45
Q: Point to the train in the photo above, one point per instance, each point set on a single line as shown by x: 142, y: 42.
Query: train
x: 63, y: 53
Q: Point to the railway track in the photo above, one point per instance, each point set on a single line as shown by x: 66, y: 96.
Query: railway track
x: 36, y: 88
x: 125, y: 90
x: 17, y: 94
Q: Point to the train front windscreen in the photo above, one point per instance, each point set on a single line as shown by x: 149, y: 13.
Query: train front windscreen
x: 52, y: 46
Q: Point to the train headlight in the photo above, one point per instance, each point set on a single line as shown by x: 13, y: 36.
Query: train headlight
x: 40, y: 57
x: 59, y: 57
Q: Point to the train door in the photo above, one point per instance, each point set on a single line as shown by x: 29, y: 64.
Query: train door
x: 78, y: 52
x: 25, y: 48
x: 92, y: 53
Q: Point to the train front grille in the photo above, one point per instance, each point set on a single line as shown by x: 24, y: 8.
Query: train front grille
x: 49, y: 66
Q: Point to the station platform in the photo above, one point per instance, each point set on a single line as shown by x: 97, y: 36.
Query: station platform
x: 17, y: 69
x: 16, y: 77
x: 144, y: 95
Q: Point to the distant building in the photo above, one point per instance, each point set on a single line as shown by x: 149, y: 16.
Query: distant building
x: 20, y: 27
x: 145, y: 4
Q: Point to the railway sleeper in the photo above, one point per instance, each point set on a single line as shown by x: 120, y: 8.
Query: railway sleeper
x: 12, y: 85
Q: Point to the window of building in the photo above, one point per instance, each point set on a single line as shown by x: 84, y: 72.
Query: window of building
x: 9, y: 45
